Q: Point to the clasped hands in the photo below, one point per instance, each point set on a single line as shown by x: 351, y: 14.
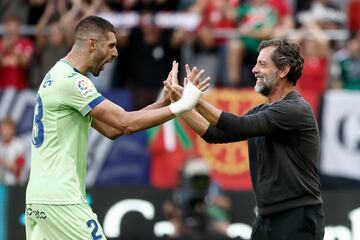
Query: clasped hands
x: 185, y: 98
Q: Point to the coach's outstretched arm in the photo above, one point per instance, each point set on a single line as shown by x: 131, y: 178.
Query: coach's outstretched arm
x: 108, y: 114
x: 204, y: 117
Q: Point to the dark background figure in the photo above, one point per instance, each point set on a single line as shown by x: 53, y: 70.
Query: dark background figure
x: 198, y: 208
x: 150, y: 47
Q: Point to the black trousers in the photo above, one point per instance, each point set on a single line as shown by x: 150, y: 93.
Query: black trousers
x: 302, y: 223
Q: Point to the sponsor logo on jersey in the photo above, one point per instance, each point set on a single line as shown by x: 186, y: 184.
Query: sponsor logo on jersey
x: 84, y: 87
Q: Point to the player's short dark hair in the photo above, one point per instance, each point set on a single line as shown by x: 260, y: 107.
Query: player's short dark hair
x: 93, y: 24
x: 286, y: 53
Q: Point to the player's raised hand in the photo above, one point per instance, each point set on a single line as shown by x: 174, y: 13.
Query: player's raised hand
x: 172, y: 76
x: 165, y: 97
x: 171, y: 82
x: 174, y: 73
x: 186, y: 98
x: 174, y: 90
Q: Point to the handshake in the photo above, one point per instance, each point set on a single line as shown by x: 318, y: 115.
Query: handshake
x: 185, y: 98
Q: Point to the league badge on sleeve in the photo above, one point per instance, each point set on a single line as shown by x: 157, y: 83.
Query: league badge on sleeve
x: 85, y: 87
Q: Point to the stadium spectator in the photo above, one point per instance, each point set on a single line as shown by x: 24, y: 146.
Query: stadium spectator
x: 327, y: 13
x: 19, y: 8
x: 12, y: 156
x: 346, y: 65
x: 4, y: 5
x: 209, y: 47
x: 285, y: 18
x: 36, y: 9
x: 50, y: 46
x: 353, y: 15
x: 198, y: 208
x: 152, y: 48
x: 316, y: 52
x: 67, y: 99
x: 256, y: 21
x: 15, y: 55
x: 283, y: 143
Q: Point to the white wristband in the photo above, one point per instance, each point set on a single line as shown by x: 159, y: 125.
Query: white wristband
x: 190, y: 98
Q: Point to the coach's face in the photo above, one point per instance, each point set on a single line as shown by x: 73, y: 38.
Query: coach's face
x: 266, y: 73
x: 104, y: 53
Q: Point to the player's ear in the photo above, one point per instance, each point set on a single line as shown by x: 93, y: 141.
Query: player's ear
x: 91, y: 43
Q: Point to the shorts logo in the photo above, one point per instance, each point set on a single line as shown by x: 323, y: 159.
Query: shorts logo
x: 37, y: 214
x: 84, y: 87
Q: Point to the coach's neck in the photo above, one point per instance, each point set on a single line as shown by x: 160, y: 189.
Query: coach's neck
x: 281, y: 90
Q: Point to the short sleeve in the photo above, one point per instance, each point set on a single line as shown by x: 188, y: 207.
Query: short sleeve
x: 80, y: 93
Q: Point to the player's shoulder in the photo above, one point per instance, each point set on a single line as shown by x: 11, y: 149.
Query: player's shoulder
x: 64, y: 71
x: 66, y: 75
x: 65, y: 79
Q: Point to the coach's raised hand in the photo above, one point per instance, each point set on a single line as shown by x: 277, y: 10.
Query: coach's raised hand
x: 192, y: 92
x: 195, y: 77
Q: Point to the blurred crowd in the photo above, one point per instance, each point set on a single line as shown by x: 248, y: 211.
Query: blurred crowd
x: 223, y: 40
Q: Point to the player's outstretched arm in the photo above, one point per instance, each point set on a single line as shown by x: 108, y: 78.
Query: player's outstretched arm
x: 113, y: 121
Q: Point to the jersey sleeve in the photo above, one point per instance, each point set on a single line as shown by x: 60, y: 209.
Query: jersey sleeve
x: 80, y: 93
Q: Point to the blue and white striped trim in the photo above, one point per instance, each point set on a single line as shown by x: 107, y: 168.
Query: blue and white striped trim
x: 92, y: 104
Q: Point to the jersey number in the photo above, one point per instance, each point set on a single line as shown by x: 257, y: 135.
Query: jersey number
x: 94, y: 231
x: 38, y: 128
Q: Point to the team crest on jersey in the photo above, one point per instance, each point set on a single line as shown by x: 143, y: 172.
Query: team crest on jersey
x: 84, y: 87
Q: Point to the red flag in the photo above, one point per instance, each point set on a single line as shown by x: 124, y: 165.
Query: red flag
x: 174, y: 142
x: 169, y: 144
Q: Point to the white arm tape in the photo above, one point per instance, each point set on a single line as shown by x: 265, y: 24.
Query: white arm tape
x: 190, y: 98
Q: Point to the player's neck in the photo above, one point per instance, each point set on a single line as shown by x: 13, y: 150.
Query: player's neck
x: 77, y: 60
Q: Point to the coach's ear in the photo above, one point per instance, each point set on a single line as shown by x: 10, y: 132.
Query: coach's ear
x: 284, y: 71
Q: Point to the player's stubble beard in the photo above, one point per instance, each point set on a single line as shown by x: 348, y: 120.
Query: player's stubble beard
x: 98, y: 63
